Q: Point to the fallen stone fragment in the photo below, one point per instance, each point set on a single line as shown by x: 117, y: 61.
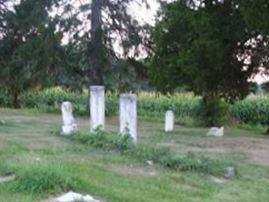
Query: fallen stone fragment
x: 218, y: 180
x: 150, y: 163
x: 7, y: 179
x: 73, y: 197
x: 216, y: 132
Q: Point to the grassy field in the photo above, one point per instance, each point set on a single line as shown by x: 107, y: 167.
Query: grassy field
x: 30, y: 149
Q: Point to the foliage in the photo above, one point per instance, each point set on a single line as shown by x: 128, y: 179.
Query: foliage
x: 105, y: 51
x: 252, y: 111
x: 161, y: 156
x: 214, y: 111
x: 104, y: 140
x: 204, y: 45
x: 189, y: 109
x: 51, y: 99
x: 29, y: 47
x: 43, y: 178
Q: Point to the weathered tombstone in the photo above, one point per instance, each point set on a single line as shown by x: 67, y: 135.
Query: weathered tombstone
x: 169, y: 121
x: 69, y: 124
x: 97, y: 107
x: 229, y: 172
x: 128, y: 115
x: 216, y: 132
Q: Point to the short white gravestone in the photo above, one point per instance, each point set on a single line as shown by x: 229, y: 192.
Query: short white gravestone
x: 169, y: 121
x: 97, y: 107
x: 128, y: 115
x: 216, y: 132
x: 69, y: 124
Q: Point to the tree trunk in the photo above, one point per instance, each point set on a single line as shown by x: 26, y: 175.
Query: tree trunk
x: 211, y: 111
x: 96, y: 44
x: 16, y: 102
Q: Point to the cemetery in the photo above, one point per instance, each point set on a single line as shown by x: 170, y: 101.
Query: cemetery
x: 134, y: 100
x: 52, y: 157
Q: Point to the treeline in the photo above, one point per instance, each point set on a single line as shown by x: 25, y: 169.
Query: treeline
x: 209, y: 47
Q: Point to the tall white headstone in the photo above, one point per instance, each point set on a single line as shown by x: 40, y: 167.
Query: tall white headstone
x: 128, y: 115
x: 169, y: 121
x: 97, y: 107
x: 69, y: 124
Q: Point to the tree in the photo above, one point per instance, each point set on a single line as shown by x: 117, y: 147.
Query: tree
x: 112, y: 24
x: 30, y: 48
x: 209, y: 46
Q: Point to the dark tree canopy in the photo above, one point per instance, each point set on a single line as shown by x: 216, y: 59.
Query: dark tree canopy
x: 211, y: 46
x: 105, y: 38
x: 29, y: 46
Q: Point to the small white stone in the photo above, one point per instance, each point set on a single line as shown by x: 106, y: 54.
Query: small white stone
x: 218, y: 180
x: 169, y: 121
x: 69, y: 124
x: 216, y: 132
x: 150, y: 163
x: 7, y: 179
x: 72, y: 197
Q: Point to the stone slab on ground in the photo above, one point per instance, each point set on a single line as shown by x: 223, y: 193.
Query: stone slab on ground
x: 73, y: 197
x: 216, y: 132
x: 7, y: 179
x: 217, y: 180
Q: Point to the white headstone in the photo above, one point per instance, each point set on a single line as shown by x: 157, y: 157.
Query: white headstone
x: 97, y: 107
x: 69, y: 124
x: 216, y: 132
x: 169, y: 121
x: 128, y: 115
x: 229, y: 172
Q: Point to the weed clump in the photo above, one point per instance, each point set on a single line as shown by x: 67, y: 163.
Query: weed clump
x: 43, y: 178
x: 161, y: 156
x: 104, y: 140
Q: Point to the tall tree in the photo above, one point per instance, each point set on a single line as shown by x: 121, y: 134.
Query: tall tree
x: 209, y: 46
x: 111, y: 24
x: 29, y: 46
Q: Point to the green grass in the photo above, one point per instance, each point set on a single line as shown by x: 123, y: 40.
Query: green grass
x: 47, y: 165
